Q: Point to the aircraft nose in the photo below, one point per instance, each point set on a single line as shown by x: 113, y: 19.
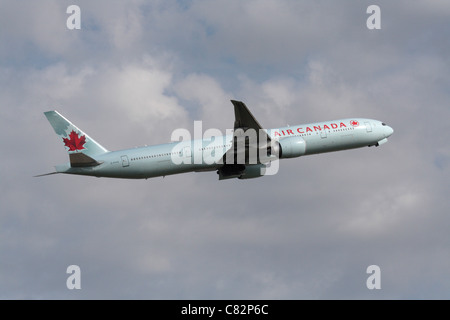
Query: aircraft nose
x: 388, y: 131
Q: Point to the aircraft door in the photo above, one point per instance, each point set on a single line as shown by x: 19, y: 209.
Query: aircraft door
x: 125, y: 162
x: 368, y: 126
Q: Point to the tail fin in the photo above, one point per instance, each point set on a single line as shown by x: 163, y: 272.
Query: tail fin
x: 79, y: 145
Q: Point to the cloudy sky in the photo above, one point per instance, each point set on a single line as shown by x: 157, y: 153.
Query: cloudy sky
x: 137, y: 70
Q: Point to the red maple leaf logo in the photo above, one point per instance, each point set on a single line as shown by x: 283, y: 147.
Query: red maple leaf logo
x: 354, y: 123
x: 74, y: 142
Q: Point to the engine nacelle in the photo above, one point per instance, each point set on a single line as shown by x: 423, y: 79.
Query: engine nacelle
x: 290, y: 147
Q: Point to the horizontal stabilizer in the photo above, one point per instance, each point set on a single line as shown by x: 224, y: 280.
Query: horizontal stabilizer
x: 45, y: 174
x: 80, y: 159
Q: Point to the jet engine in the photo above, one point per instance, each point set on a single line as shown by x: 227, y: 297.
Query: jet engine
x: 290, y: 147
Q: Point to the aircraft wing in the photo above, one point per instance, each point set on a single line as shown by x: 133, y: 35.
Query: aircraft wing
x: 244, y: 119
x: 249, y: 138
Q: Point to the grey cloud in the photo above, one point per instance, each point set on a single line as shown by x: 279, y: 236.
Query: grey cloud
x: 137, y: 71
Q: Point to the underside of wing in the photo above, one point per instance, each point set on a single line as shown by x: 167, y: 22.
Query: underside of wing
x: 250, y: 145
x: 244, y: 119
x: 80, y: 159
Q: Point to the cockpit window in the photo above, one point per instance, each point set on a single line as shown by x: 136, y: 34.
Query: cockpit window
x: 383, y: 124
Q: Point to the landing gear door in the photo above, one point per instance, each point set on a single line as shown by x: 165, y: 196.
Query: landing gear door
x: 125, y: 162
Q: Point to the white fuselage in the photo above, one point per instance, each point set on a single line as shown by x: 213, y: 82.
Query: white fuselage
x: 202, y: 155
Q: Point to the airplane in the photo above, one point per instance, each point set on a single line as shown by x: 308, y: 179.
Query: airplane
x: 245, y: 152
